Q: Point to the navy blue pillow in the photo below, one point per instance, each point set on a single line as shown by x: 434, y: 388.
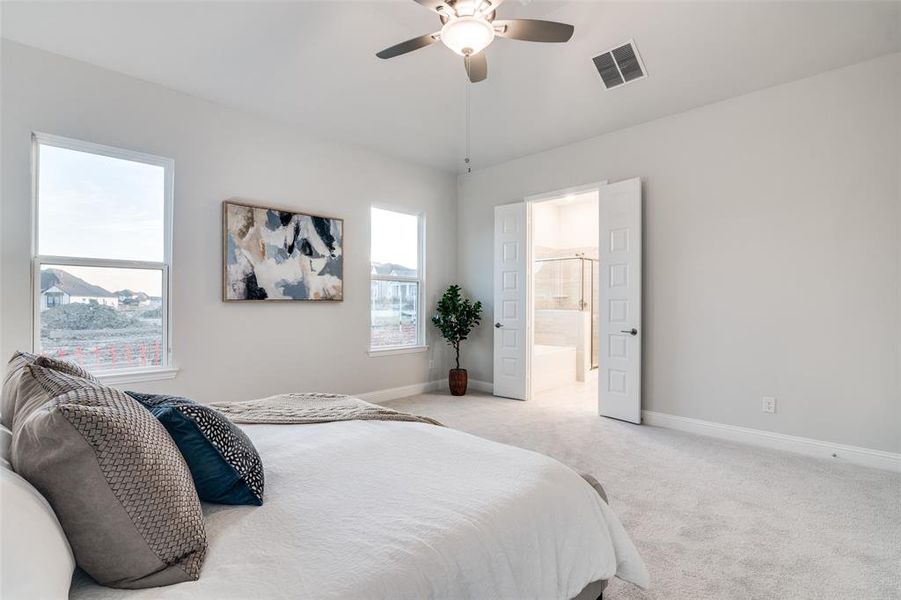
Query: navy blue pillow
x: 224, y: 464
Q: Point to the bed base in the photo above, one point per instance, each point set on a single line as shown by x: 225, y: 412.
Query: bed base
x: 593, y: 591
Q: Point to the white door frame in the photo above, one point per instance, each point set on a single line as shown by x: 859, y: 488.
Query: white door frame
x: 530, y: 201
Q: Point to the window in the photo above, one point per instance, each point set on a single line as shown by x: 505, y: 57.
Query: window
x: 102, y: 256
x: 397, y: 282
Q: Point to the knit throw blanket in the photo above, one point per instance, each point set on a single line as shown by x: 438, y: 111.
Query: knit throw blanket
x: 311, y: 408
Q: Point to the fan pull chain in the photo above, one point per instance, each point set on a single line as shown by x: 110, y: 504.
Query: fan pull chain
x: 468, y: 160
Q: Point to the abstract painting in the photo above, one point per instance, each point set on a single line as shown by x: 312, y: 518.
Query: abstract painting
x: 273, y: 254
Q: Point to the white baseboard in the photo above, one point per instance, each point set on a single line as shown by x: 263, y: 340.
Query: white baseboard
x: 866, y: 457
x: 481, y: 386
x: 403, y: 391
x: 406, y: 391
x: 878, y: 459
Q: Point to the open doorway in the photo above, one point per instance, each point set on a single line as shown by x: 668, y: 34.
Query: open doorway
x: 589, y: 350
x: 564, y: 297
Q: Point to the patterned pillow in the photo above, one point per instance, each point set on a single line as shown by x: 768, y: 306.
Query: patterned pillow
x: 116, y: 481
x: 224, y: 463
x: 11, y: 398
x: 64, y: 366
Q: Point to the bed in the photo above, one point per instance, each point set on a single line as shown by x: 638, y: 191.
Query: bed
x: 399, y: 510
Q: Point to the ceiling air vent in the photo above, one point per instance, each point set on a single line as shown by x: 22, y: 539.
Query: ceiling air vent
x: 619, y: 66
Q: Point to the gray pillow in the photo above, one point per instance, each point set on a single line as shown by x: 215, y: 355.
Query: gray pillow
x: 11, y: 383
x: 64, y: 366
x: 11, y: 396
x: 119, y: 485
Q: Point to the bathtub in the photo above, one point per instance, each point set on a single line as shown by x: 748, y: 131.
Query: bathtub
x: 552, y: 367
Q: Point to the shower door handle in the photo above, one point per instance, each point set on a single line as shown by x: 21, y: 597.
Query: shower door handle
x: 632, y: 331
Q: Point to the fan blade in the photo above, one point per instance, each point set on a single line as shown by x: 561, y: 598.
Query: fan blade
x: 409, y: 46
x: 476, y: 67
x: 532, y: 30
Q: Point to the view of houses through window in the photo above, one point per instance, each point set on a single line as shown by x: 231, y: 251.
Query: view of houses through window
x: 396, y: 279
x: 98, y: 328
x: 102, y: 265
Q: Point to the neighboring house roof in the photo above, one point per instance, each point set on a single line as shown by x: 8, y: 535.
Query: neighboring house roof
x: 392, y: 269
x: 70, y: 284
x: 127, y: 293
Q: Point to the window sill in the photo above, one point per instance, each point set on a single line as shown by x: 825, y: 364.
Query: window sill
x: 137, y: 375
x: 399, y: 350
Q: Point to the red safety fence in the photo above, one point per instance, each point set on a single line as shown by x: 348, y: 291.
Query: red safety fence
x: 112, y: 355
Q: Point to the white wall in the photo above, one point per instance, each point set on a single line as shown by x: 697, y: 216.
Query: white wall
x: 566, y: 225
x: 772, y: 256
x: 579, y: 224
x: 545, y: 225
x: 238, y: 350
x: 772, y: 252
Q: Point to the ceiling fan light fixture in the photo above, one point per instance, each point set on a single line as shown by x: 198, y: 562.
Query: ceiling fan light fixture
x: 467, y: 35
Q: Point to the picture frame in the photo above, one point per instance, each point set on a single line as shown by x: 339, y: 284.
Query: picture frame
x: 272, y: 254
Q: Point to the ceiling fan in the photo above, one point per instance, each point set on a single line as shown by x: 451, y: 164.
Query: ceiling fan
x: 469, y: 26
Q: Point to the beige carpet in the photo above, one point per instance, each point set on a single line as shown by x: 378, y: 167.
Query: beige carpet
x: 712, y: 519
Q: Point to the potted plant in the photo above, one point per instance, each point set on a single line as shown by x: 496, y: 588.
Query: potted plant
x: 456, y: 317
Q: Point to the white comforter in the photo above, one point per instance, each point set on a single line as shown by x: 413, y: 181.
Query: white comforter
x: 394, y: 510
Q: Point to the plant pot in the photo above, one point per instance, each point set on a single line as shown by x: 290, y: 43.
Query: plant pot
x: 458, y: 380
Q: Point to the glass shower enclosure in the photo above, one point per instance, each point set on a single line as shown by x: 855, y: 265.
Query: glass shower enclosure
x: 569, y: 283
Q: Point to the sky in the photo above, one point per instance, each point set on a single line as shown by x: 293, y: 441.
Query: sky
x: 395, y: 238
x: 93, y: 206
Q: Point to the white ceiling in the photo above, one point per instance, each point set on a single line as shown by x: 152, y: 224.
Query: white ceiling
x: 314, y: 63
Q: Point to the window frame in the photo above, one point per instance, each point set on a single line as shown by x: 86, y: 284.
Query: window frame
x: 166, y: 369
x: 421, y: 344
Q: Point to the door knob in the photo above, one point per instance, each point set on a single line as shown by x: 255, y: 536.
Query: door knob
x: 632, y: 331
x: 498, y: 325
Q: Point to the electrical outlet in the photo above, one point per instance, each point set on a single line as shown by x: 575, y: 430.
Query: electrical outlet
x: 431, y: 364
x: 769, y: 404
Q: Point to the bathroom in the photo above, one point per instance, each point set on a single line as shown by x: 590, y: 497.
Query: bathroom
x: 565, y: 296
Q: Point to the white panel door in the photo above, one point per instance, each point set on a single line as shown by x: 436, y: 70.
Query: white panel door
x: 510, y: 342
x: 619, y: 376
